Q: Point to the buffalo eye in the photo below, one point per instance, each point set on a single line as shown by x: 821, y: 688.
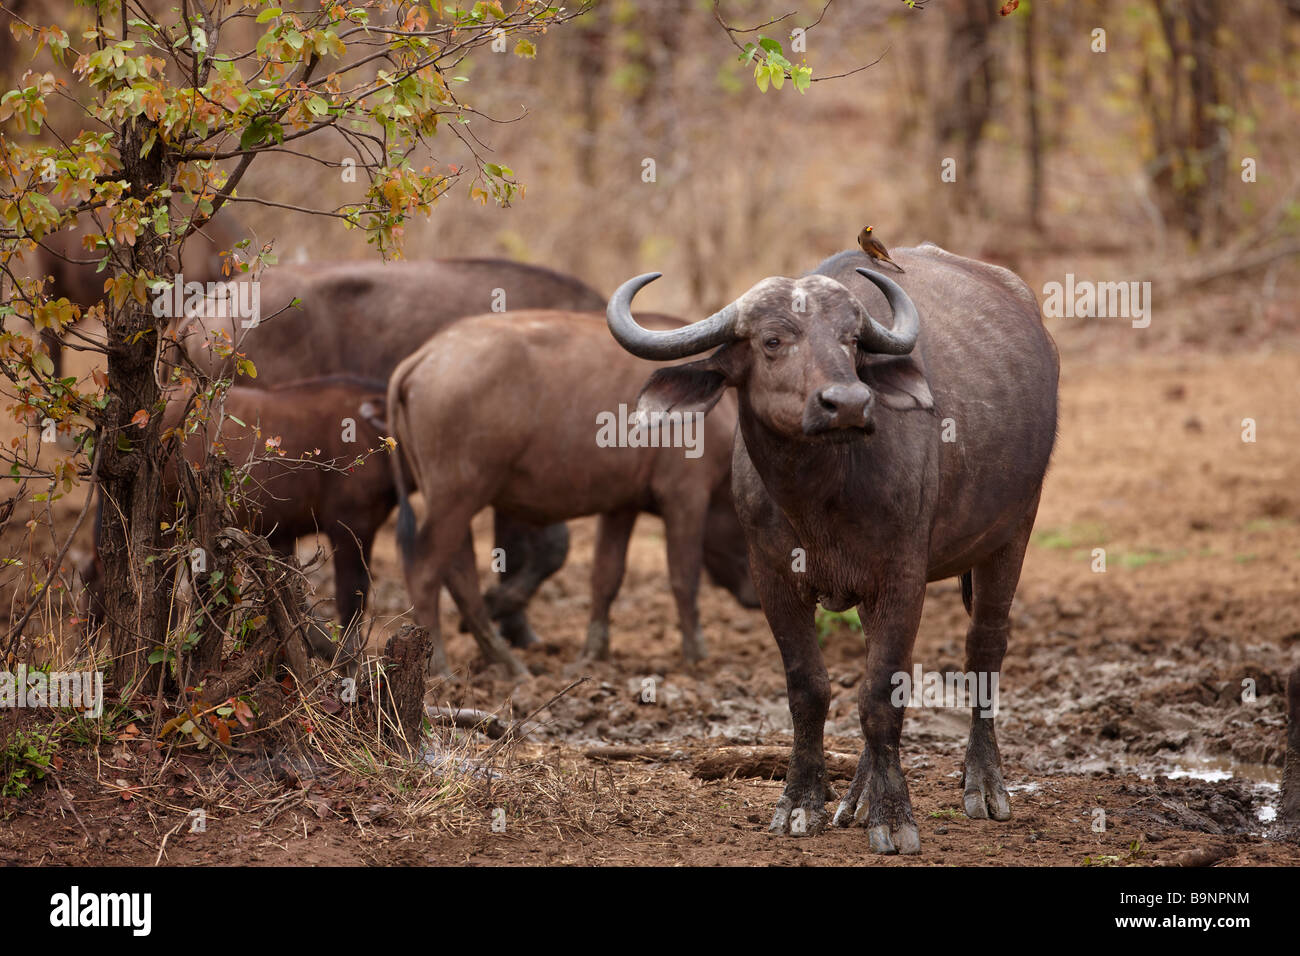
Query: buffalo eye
x: 771, y: 343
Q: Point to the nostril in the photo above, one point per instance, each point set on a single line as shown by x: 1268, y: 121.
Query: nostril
x: 827, y: 404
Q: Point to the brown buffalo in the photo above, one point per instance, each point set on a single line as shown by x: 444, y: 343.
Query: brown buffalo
x: 334, y: 420
x: 871, y: 460
x: 521, y: 413
x: 362, y: 318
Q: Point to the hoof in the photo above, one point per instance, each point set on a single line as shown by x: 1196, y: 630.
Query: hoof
x: 694, y: 650
x: 879, y: 841
x: 985, y: 796
x: 518, y: 632
x: 806, y: 817
x: 597, y: 646
x: 906, y: 840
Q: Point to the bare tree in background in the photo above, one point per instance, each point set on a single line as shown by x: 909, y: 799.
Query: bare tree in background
x: 591, y: 37
x: 1034, y: 145
x: 969, y: 103
x: 1189, y: 120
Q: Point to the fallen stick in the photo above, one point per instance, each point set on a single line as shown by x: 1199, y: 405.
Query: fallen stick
x: 1205, y: 856
x: 767, y: 763
x: 514, y: 731
x: 467, y: 719
x: 628, y: 753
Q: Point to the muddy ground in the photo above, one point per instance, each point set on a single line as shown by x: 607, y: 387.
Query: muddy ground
x: 1124, y: 691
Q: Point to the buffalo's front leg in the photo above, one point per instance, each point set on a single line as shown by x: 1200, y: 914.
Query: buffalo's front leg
x: 878, y: 798
x: 532, y: 555
x: 351, y: 574
x: 802, y: 807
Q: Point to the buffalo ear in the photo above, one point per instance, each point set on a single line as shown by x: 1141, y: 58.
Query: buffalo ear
x: 695, y: 387
x: 898, y: 382
x: 374, y: 412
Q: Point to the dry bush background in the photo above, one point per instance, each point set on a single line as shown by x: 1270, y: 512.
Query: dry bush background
x: 750, y: 184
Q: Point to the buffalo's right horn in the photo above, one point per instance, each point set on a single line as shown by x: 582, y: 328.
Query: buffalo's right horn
x: 907, y: 323
x: 673, y: 344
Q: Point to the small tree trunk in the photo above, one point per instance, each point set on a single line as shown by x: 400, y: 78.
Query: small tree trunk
x: 590, y: 61
x: 970, y: 102
x: 136, y: 590
x: 1035, y: 196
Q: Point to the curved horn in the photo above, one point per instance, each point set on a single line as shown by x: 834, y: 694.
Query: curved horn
x: 907, y: 323
x: 673, y: 344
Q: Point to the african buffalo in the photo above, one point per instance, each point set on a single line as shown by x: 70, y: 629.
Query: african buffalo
x: 363, y: 318
x: 333, y: 420
x: 868, y: 462
x: 527, y: 413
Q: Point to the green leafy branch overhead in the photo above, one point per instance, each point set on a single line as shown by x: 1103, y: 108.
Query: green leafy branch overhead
x: 772, y: 67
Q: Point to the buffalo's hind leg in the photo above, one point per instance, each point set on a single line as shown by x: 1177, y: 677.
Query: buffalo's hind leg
x: 802, y: 807
x: 684, y: 536
x: 435, y: 551
x: 878, y: 799
x: 461, y: 577
x: 984, y: 792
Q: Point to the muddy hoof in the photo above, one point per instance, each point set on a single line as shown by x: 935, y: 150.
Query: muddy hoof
x: 903, y: 837
x: 799, y: 815
x: 984, y: 795
x: 597, y: 646
x: 906, y: 840
x: 694, y: 650
x: 518, y: 632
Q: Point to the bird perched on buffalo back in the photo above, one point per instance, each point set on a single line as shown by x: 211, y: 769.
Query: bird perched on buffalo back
x: 874, y: 248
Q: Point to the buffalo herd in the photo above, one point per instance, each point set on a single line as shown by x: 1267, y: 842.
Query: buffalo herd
x: 846, y: 438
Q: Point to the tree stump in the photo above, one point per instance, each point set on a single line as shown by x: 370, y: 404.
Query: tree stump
x: 405, y: 656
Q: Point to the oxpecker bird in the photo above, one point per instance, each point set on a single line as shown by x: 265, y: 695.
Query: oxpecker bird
x: 874, y: 248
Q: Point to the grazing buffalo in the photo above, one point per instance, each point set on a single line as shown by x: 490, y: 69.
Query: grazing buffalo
x: 869, y: 461
x: 528, y: 413
x: 362, y: 318
x: 332, y: 420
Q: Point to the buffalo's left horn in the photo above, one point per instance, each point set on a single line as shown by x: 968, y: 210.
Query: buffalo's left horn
x: 655, y: 344
x: 899, y: 340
